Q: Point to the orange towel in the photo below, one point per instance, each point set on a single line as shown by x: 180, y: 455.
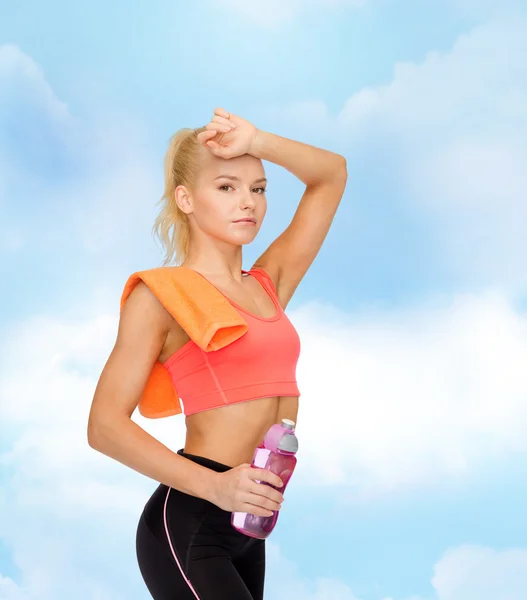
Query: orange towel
x: 206, y: 315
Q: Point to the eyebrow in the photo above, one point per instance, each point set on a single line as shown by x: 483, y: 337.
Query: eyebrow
x: 234, y: 178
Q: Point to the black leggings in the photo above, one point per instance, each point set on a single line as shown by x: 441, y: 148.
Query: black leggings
x: 187, y: 548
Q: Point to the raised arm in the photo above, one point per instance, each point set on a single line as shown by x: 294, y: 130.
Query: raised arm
x: 143, y: 327
x: 289, y: 257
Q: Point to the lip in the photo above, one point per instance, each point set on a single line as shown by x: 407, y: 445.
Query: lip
x: 246, y: 220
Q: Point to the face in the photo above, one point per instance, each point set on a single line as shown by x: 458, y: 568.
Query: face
x: 227, y: 192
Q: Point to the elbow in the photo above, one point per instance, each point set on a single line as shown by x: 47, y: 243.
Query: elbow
x: 99, y: 431
x: 93, y: 434
x: 338, y: 174
x: 343, y: 168
x: 105, y: 427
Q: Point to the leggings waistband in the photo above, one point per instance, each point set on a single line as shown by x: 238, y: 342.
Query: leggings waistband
x: 205, y: 462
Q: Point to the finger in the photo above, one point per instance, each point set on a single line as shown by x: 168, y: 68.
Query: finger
x: 255, y: 510
x: 262, y: 501
x: 221, y: 112
x: 265, y: 475
x: 225, y: 127
x: 213, y: 145
x: 216, y: 149
x: 206, y: 135
x: 223, y: 121
x: 267, y: 492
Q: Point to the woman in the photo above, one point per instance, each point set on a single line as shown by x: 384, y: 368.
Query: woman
x: 214, y: 203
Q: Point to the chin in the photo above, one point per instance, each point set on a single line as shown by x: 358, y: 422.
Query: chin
x: 243, y: 235
x: 242, y: 240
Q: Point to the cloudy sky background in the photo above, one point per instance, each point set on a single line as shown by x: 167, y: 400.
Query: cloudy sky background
x: 411, y: 476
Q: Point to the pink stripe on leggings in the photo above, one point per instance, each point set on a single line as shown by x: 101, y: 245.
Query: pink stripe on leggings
x: 172, y: 547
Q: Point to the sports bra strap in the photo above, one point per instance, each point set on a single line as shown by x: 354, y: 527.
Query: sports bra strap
x: 264, y: 278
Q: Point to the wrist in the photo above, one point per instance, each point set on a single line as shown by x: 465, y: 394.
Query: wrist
x: 210, y: 486
x: 196, y: 480
x: 258, y: 143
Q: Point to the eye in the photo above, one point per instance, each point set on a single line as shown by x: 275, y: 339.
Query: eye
x: 225, y: 185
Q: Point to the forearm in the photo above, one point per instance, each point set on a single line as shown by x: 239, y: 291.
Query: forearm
x: 129, y: 444
x: 310, y: 164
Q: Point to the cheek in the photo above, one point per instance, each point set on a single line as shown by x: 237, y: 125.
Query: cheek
x: 213, y: 210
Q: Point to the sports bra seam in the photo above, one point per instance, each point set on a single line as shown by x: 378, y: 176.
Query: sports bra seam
x: 240, y: 387
x: 249, y: 385
x: 237, y: 402
x: 213, y: 374
x: 260, y: 383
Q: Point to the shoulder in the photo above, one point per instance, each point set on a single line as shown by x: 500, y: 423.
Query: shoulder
x: 154, y: 274
x: 143, y: 292
x: 143, y: 303
x: 152, y: 278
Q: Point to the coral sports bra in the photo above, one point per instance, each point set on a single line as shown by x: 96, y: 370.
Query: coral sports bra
x: 257, y: 358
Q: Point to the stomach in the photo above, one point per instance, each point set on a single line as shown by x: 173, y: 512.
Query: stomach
x: 229, y: 434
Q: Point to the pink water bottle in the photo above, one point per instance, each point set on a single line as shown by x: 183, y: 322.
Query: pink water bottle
x: 277, y: 454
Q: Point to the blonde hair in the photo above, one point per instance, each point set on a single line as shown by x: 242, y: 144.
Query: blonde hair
x: 182, y: 162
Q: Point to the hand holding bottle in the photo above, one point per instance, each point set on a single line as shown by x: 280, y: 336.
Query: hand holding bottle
x: 275, y: 457
x: 239, y: 490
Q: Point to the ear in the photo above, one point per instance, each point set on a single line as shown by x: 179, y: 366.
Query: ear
x: 183, y: 199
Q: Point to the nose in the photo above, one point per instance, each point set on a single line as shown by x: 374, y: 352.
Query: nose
x: 247, y: 200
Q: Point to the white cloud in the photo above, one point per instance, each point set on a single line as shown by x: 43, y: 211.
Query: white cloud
x: 24, y: 91
x: 485, y: 9
x: 454, y: 130
x: 273, y: 13
x: 20, y: 73
x: 97, y: 187
x: 60, y: 495
x: 471, y: 572
x: 411, y: 395
x: 459, y: 123
x: 9, y: 590
x: 388, y: 400
x: 34, y: 122
x: 285, y: 581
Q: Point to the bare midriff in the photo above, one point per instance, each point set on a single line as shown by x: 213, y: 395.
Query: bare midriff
x: 229, y: 434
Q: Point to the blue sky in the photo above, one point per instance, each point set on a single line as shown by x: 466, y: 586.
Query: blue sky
x: 413, y: 320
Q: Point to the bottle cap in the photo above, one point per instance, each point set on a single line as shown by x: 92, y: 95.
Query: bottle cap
x: 288, y: 443
x: 288, y: 424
